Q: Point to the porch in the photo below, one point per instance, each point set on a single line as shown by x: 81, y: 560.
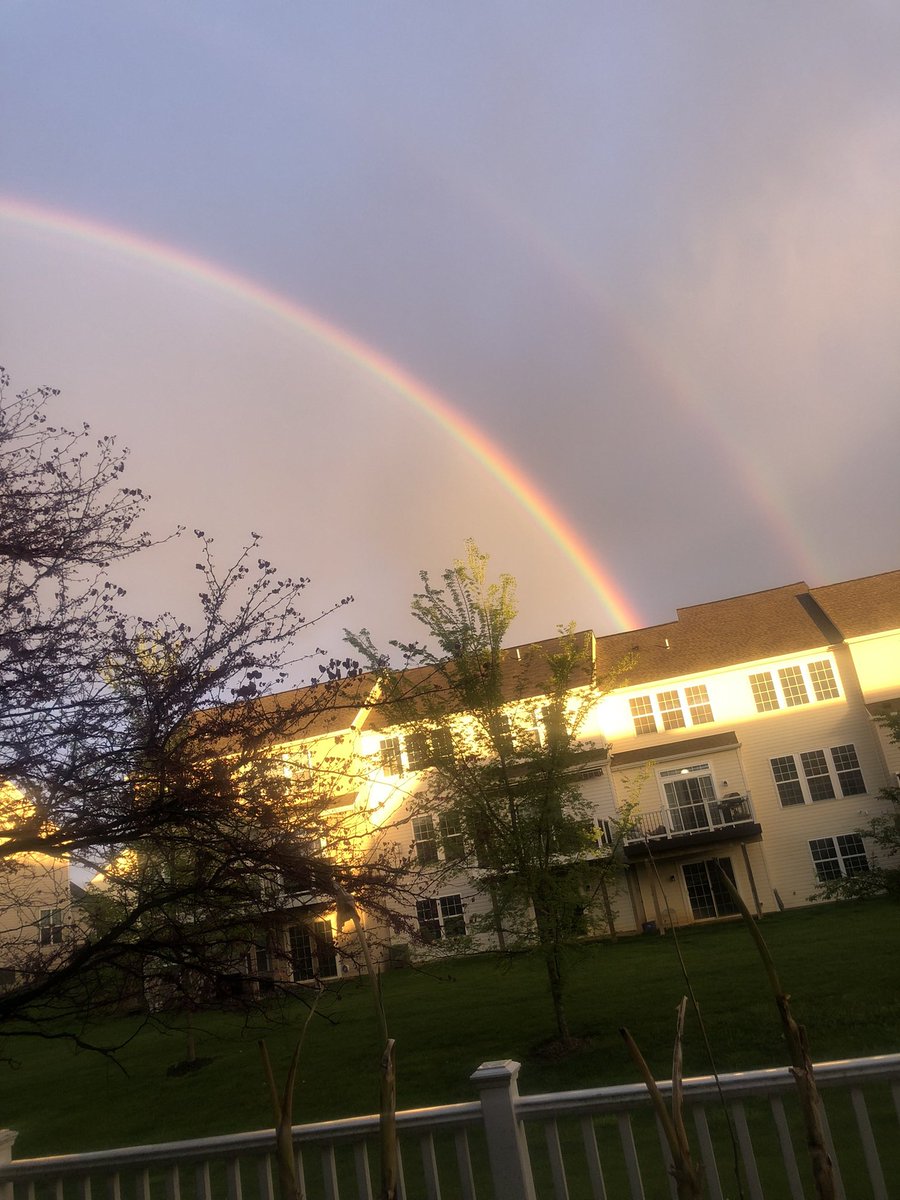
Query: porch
x: 693, y: 823
x: 598, y: 1143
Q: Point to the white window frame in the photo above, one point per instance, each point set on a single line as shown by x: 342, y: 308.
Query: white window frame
x: 425, y: 840
x: 837, y: 774
x: 441, y: 910
x: 842, y: 852
x: 50, y: 927
x: 676, y: 702
x: 814, y: 678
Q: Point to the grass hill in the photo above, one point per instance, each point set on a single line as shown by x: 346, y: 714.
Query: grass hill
x: 839, y: 962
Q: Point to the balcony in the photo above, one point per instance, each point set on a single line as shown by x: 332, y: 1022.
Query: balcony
x: 690, y: 825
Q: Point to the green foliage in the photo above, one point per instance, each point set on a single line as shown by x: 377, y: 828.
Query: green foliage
x: 883, y: 875
x: 501, y: 732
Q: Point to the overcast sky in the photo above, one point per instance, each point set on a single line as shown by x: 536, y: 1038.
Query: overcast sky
x: 651, y: 251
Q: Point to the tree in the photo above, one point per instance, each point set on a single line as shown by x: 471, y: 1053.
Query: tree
x: 501, y: 735
x: 151, y: 734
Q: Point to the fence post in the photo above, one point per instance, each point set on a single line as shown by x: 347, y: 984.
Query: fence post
x: 7, y: 1137
x: 498, y: 1089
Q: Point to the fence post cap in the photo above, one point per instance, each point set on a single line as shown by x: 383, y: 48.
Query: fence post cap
x: 7, y: 1137
x: 500, y: 1073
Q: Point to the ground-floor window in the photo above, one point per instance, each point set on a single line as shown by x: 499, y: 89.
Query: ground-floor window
x: 835, y: 857
x: 441, y: 917
x: 313, y: 953
x: 706, y: 891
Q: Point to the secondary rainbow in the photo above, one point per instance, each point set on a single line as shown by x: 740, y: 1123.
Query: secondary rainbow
x: 450, y: 419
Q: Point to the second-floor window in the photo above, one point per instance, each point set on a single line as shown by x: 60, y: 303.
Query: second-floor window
x: 814, y: 775
x: 50, y: 927
x: 446, y: 836
x: 424, y: 840
x: 452, y: 842
x: 675, y: 708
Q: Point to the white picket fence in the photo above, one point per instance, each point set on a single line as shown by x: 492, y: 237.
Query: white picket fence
x: 602, y: 1143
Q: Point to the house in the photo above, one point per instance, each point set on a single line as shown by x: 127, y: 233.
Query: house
x: 744, y: 737
x: 35, y: 902
x: 746, y: 733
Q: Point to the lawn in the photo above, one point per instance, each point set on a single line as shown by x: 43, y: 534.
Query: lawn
x: 839, y: 963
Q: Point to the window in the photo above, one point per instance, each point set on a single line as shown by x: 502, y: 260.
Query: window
x: 787, y: 780
x: 697, y: 698
x: 834, y: 858
x: 418, y: 752
x: 554, y: 721
x: 670, y: 710
x: 793, y: 685
x: 451, y: 837
x: 642, y: 714
x: 815, y: 768
x: 706, y: 892
x: 667, y: 709
x: 441, y: 745
x: 847, y: 766
x: 429, y: 921
x: 391, y: 759
x: 789, y: 687
x: 689, y: 798
x: 425, y: 840
x: 822, y: 774
x: 764, y: 695
x: 501, y: 734
x: 823, y: 681
x: 443, y: 917
x: 50, y: 927
x: 427, y: 747
x: 313, y: 954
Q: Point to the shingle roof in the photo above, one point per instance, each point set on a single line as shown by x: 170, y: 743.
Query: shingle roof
x: 785, y: 620
x: 526, y: 673
x: 861, y: 606
x: 695, y: 745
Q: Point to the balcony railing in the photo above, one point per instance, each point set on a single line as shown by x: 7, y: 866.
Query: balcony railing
x: 698, y: 818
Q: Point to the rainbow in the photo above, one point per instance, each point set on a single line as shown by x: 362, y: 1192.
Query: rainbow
x: 509, y: 474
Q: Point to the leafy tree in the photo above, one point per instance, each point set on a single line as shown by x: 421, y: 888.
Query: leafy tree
x: 500, y: 735
x: 150, y: 733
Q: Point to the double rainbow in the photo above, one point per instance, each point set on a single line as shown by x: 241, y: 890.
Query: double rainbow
x: 512, y: 477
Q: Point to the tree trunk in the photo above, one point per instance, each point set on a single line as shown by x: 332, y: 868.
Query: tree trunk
x: 608, y: 910
x: 551, y: 949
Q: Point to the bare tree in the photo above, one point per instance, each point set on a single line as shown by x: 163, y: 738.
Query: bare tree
x: 142, y: 743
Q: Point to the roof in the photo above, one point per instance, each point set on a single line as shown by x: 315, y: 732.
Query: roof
x: 697, y: 745
x: 862, y: 606
x: 525, y: 673
x: 760, y: 625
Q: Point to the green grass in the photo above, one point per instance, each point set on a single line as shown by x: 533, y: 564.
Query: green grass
x: 839, y: 963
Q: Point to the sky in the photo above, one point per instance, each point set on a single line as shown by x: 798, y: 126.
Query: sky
x: 611, y: 288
